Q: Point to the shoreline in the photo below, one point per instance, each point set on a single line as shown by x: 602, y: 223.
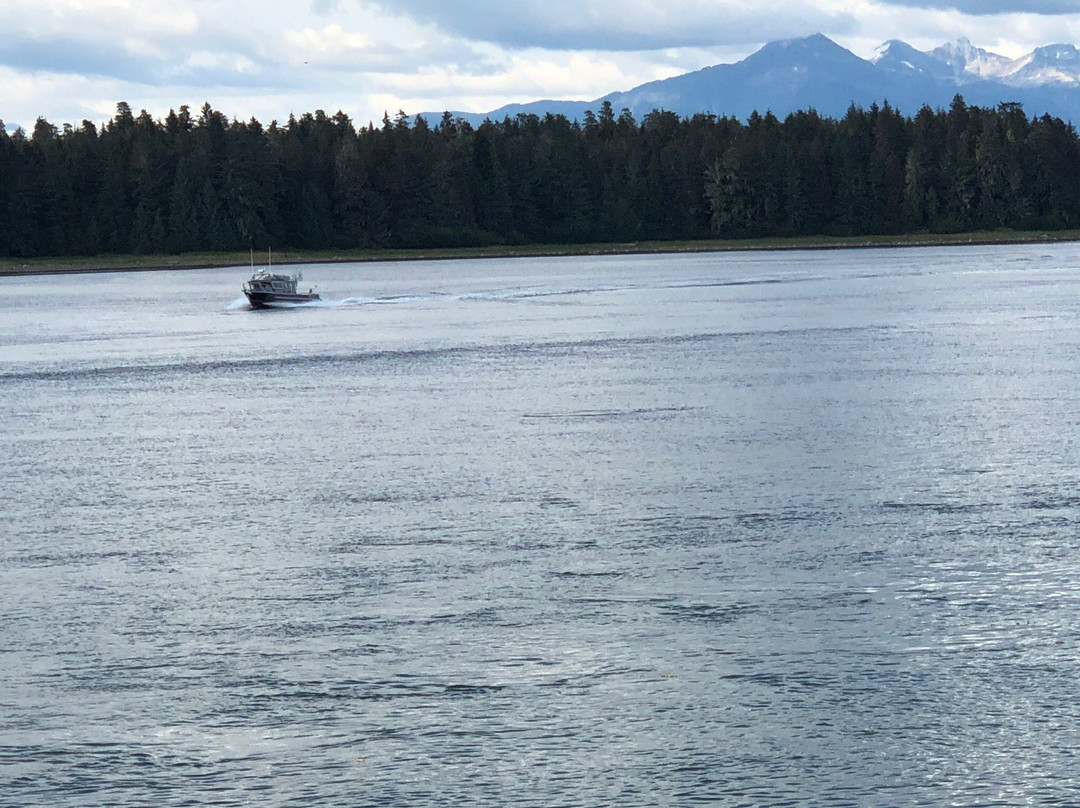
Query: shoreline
x: 12, y: 267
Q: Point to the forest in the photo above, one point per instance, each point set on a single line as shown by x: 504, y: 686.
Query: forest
x: 136, y: 184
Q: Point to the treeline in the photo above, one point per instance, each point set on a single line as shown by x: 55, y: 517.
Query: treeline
x: 140, y: 185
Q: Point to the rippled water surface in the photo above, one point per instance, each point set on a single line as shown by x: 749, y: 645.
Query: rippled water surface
x: 744, y: 529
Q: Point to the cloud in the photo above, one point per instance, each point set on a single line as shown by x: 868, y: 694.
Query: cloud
x: 69, y: 59
x: 147, y: 42
x: 229, y: 46
x: 624, y: 25
x: 993, y: 7
x: 67, y: 55
x: 103, y: 20
x: 336, y: 49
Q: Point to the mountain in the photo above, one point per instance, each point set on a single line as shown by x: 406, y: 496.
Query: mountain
x: 1053, y: 64
x: 787, y: 75
x: 968, y: 63
x: 900, y: 58
x: 1049, y: 65
x: 814, y: 72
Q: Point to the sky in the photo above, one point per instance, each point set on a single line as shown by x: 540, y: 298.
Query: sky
x: 74, y: 60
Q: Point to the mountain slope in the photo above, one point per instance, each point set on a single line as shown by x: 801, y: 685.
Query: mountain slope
x: 969, y: 63
x: 814, y: 72
x: 1053, y: 64
x: 782, y: 76
x: 901, y: 59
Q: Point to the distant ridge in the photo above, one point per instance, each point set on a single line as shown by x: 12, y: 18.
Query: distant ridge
x: 815, y: 72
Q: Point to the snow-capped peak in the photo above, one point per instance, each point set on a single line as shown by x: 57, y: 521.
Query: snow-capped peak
x: 962, y: 62
x: 1051, y: 64
x: 897, y: 56
x: 967, y: 60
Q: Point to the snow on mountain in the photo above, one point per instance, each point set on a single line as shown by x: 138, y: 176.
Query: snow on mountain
x: 1052, y: 64
x: 816, y: 73
x: 969, y: 62
x: 899, y: 57
x: 1049, y: 65
x: 812, y: 72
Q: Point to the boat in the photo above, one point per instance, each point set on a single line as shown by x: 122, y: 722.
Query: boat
x: 267, y: 289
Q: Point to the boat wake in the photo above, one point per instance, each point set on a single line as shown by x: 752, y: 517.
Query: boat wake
x: 512, y: 294
x: 355, y: 302
x: 486, y: 295
x: 382, y: 301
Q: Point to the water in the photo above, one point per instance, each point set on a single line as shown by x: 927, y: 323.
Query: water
x: 755, y: 529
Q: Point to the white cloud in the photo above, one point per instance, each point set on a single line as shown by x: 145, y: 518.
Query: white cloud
x: 1010, y: 35
x: 46, y: 19
x: 619, y: 25
x: 534, y: 76
x: 73, y: 59
x: 993, y: 7
x: 332, y: 41
x: 335, y: 49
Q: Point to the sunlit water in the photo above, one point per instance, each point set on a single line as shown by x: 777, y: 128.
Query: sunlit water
x: 747, y: 529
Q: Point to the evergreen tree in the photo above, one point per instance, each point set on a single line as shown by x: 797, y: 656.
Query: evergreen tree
x: 204, y: 182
